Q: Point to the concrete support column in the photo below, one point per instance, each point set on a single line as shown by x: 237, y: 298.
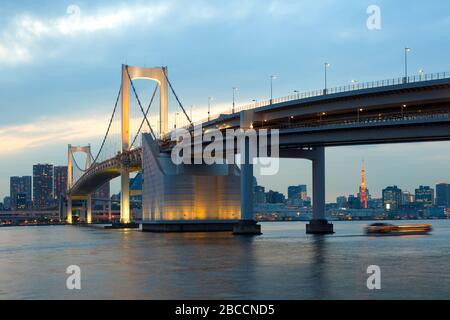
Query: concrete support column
x: 246, y: 184
x: 89, y: 209
x: 318, y: 175
x: 69, y: 210
x: 125, y: 197
x: 319, y: 224
x: 247, y: 225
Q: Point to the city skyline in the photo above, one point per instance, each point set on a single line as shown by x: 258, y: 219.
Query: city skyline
x: 59, y: 178
x: 225, y: 158
x: 70, y: 110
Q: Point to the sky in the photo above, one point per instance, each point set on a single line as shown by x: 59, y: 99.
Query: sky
x: 60, y: 72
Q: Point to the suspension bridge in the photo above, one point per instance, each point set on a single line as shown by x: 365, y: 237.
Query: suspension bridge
x: 411, y: 109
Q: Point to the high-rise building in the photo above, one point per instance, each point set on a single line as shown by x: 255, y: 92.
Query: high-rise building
x: 101, y: 196
x: 60, y: 181
x: 7, y: 203
x: 104, y: 191
x: 425, y: 195
x: 21, y: 201
x: 20, y: 185
x: 407, y: 197
x: 297, y: 192
x: 392, y: 198
x: 43, y: 186
x: 363, y: 198
x: 275, y: 197
x: 443, y: 195
x: 353, y: 202
x: 259, y: 195
x: 342, y: 202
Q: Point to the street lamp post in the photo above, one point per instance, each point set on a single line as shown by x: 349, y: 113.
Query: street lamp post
x: 354, y: 82
x: 326, y: 66
x: 175, y: 120
x: 421, y: 73
x: 321, y: 115
x: 234, y: 90
x: 209, y: 107
x: 406, y: 64
x: 359, y: 111
x: 297, y: 93
x: 272, y: 77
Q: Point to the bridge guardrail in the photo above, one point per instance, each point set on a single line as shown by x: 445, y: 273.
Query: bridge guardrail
x: 128, y: 157
x: 333, y: 90
x: 391, y: 117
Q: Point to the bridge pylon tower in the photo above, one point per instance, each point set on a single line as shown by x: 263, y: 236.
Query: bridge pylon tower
x: 158, y: 74
x: 70, y: 152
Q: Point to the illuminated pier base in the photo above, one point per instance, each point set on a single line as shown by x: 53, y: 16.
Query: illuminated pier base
x: 69, y: 210
x: 89, y: 210
x: 187, y: 198
x: 125, y: 197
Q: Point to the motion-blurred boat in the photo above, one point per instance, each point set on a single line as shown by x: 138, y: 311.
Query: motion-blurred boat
x: 386, y: 229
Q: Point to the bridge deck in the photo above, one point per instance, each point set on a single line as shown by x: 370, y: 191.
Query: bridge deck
x: 384, y: 112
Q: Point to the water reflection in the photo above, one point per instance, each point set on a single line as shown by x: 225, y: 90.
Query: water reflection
x: 318, y: 266
x: 284, y: 263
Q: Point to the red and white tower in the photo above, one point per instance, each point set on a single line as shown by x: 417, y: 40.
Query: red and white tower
x: 362, y: 189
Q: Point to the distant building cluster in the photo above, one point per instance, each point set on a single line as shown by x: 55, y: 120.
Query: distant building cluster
x: 46, y: 188
x: 43, y: 190
x: 273, y: 205
x: 395, y: 203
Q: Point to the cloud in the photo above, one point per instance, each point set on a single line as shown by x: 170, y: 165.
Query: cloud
x: 66, y: 129
x: 27, y: 36
x: 26, y: 32
x: 46, y: 131
x: 83, y: 129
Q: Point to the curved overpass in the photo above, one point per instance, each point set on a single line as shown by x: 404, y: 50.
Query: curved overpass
x: 386, y: 112
x: 102, y: 172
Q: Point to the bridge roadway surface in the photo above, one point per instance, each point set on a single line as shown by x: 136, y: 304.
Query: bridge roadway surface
x: 408, y: 112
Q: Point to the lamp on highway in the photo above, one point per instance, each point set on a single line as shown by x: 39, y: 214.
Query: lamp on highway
x: 321, y: 115
x: 234, y: 90
x: 175, y: 120
x: 421, y: 73
x: 359, y: 111
x: 407, y: 50
x: 297, y: 93
x: 209, y: 107
x: 326, y: 66
x: 402, y: 109
x: 272, y: 77
x: 354, y: 82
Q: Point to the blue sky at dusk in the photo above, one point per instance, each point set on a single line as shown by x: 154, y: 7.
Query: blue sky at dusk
x: 60, y: 72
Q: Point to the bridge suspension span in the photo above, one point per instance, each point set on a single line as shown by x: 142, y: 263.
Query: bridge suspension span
x: 116, y: 155
x: 389, y: 111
